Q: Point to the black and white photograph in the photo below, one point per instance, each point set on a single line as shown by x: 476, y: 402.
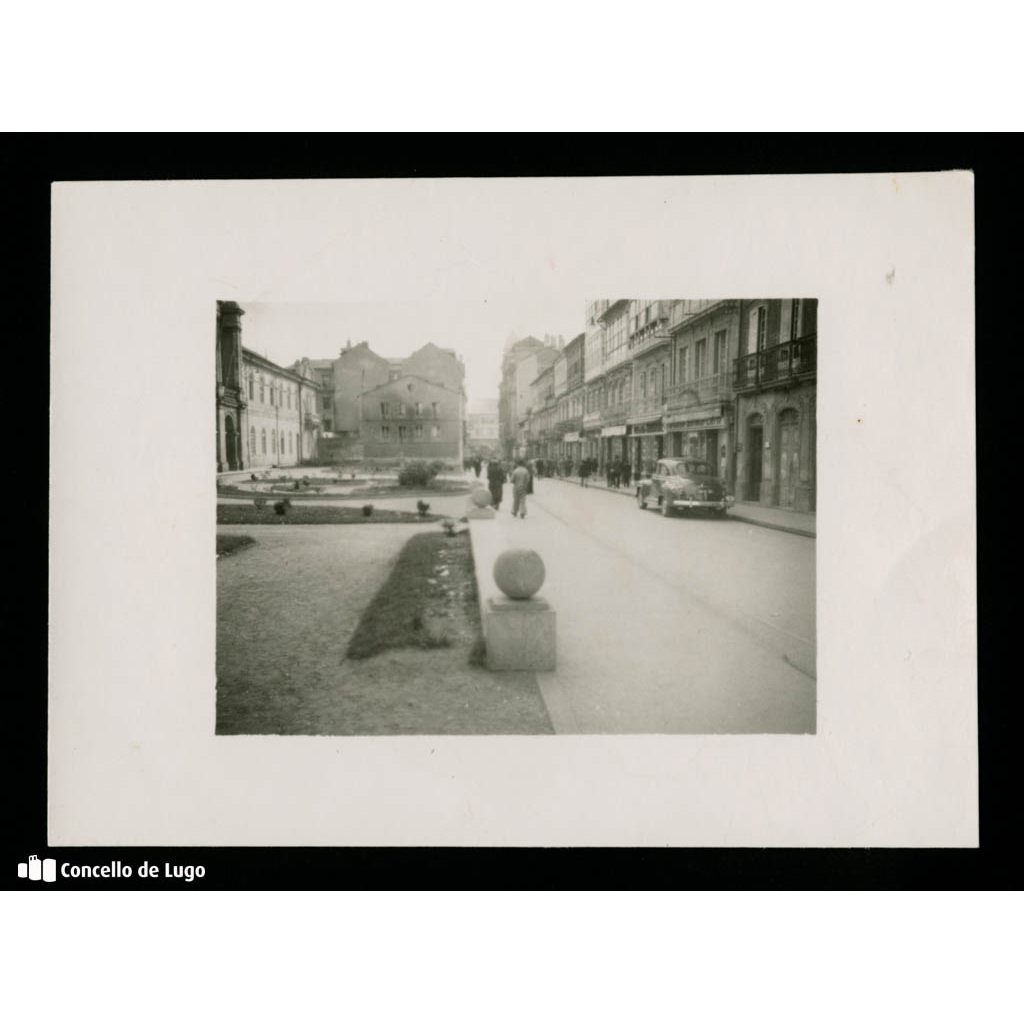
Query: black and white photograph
x: 464, y: 512
x: 445, y: 519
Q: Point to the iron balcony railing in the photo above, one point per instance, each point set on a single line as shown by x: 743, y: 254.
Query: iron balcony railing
x: 779, y: 363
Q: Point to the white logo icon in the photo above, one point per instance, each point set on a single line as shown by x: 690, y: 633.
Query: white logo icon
x: 36, y: 869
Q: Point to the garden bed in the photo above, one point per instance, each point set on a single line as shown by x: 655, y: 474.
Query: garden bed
x: 314, y: 515
x: 429, y: 600
x: 228, y: 543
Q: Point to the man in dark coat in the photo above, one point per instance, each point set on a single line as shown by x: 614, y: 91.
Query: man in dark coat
x: 495, y: 481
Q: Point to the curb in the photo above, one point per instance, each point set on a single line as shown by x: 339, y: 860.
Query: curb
x: 738, y: 516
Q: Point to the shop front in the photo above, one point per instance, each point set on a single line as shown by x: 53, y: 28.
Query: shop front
x: 646, y: 444
x: 701, y: 433
x: 613, y: 443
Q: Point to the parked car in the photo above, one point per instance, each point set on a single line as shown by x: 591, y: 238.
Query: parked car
x: 683, y: 483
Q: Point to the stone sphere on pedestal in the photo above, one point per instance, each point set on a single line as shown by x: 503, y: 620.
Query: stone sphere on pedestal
x: 519, y: 573
x: 481, y: 497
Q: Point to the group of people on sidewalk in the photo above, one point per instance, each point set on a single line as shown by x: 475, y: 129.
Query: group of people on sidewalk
x: 618, y: 472
x: 521, y: 477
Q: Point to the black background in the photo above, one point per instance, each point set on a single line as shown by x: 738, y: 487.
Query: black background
x: 35, y: 160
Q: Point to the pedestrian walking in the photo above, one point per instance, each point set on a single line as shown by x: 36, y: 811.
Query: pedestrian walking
x: 495, y: 481
x: 476, y: 467
x: 625, y: 473
x: 613, y: 473
x: 521, y: 480
x: 584, y: 472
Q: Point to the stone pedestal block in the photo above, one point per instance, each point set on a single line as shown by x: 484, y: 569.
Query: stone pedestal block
x: 480, y: 513
x: 520, y: 635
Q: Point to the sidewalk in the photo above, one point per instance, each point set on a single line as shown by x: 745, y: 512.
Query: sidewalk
x: 802, y: 523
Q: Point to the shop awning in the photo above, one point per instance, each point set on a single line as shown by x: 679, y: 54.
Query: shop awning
x: 617, y: 431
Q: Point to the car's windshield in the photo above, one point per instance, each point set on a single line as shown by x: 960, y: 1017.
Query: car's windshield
x: 690, y: 466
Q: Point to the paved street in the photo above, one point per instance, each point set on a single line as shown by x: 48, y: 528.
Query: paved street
x: 670, y: 625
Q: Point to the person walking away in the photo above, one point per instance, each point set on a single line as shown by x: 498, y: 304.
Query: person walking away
x: 521, y: 480
x: 613, y: 473
x: 626, y: 473
x: 584, y: 472
x: 495, y: 481
x: 476, y: 468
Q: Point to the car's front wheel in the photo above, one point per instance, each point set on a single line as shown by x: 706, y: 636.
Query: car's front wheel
x: 640, y: 500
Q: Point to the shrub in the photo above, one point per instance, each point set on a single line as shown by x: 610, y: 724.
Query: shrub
x: 259, y: 502
x: 367, y: 510
x: 416, y: 474
x: 437, y: 466
x: 448, y: 525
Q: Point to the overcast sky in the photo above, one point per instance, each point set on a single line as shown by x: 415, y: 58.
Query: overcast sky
x: 284, y: 332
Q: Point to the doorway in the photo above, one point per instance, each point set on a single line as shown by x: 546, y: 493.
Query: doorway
x: 789, y: 457
x: 755, y: 450
x: 231, y: 443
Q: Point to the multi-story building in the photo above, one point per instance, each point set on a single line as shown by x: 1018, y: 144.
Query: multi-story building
x: 482, y: 428
x: 522, y: 362
x: 266, y: 414
x: 359, y: 370
x: 594, y: 349
x: 570, y: 401
x: 282, y: 424
x: 411, y: 417
x: 731, y: 381
x: 775, y: 388
x: 699, y: 413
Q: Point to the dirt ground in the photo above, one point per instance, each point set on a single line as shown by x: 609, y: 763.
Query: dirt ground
x: 286, y: 609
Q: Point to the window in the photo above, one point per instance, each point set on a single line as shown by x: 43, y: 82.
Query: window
x: 252, y: 434
x: 664, y: 371
x: 419, y: 408
x: 251, y: 396
x: 273, y: 440
x: 401, y: 408
x: 643, y: 384
x: 700, y: 356
x: 417, y: 432
x: 684, y: 364
x: 762, y: 327
x: 263, y: 396
x: 288, y: 397
x: 263, y: 440
x: 385, y: 410
x: 385, y: 433
x: 718, y: 356
x: 403, y: 433
x: 436, y: 409
x: 435, y: 431
x: 794, y: 320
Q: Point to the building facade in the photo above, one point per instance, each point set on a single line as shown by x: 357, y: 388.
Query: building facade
x: 266, y: 414
x: 775, y: 388
x: 727, y: 380
x: 482, y: 428
x: 522, y: 361
x: 411, y: 417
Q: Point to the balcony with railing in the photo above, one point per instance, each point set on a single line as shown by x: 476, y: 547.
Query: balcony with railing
x: 701, y: 391
x: 651, y: 406
x: 779, y: 364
